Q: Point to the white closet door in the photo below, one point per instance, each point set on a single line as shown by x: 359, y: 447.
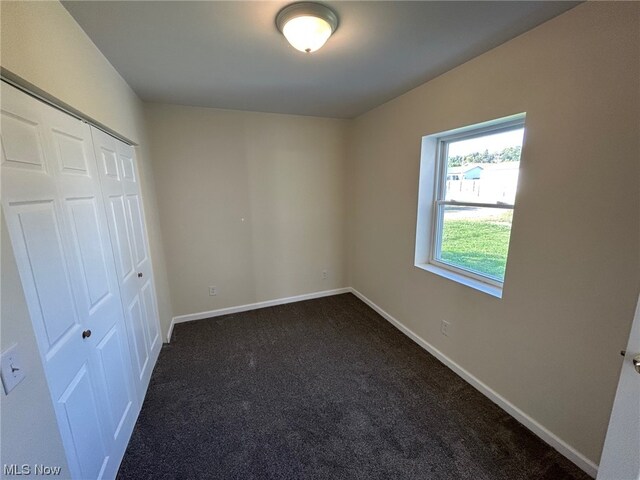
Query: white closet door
x: 121, y: 190
x: 58, y: 228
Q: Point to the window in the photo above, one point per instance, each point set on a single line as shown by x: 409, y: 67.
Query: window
x: 468, y: 181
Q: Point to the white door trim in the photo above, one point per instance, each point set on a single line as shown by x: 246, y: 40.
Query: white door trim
x: 621, y: 448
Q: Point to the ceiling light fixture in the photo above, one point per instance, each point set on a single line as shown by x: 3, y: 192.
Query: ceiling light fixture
x: 307, y: 25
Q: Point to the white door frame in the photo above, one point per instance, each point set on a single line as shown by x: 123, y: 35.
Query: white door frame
x: 621, y: 453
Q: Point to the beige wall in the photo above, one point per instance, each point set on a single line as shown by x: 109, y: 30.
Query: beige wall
x: 283, y: 174
x: 43, y: 45
x: 551, y: 344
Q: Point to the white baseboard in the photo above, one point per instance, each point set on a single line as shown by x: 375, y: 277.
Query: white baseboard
x: 252, y: 306
x: 549, y: 437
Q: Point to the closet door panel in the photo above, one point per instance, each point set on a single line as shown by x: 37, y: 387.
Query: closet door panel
x: 35, y: 215
x: 112, y: 359
x: 153, y: 330
x: 128, y: 167
x: 122, y: 245
x: 131, y: 185
x: 96, y: 277
x: 91, y: 250
x: 56, y: 219
x: 109, y: 161
x: 119, y: 179
x: 39, y: 228
x: 66, y: 356
x: 81, y: 414
x: 137, y: 229
x: 143, y: 265
x: 113, y: 367
x: 71, y: 150
x: 135, y: 325
x: 22, y: 140
x: 111, y: 173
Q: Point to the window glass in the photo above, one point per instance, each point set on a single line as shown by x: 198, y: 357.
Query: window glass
x: 475, y: 197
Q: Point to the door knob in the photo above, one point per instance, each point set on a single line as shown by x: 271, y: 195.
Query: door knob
x: 636, y: 363
x: 86, y: 334
x: 139, y: 274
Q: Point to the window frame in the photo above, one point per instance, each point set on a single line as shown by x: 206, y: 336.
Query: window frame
x: 488, y: 284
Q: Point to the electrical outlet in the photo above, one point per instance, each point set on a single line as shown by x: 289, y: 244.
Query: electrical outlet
x: 325, y: 274
x: 445, y: 327
x: 213, y: 291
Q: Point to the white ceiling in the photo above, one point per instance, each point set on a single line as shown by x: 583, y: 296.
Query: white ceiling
x: 230, y: 54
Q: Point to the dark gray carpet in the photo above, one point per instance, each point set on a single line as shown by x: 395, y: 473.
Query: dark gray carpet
x: 322, y: 389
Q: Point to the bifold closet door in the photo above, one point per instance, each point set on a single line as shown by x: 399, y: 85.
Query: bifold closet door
x: 121, y: 191
x: 58, y: 227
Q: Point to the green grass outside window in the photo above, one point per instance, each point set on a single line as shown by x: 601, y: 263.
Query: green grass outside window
x: 480, y: 245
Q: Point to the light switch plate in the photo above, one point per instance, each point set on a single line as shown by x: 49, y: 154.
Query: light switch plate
x: 11, y: 369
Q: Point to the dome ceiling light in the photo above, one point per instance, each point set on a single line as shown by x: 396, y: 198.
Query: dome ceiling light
x: 307, y: 25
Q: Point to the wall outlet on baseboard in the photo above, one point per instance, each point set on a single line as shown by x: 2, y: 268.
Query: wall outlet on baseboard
x: 325, y: 274
x: 213, y: 291
x: 445, y: 328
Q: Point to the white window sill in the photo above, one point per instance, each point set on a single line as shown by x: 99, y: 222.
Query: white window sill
x: 462, y: 279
